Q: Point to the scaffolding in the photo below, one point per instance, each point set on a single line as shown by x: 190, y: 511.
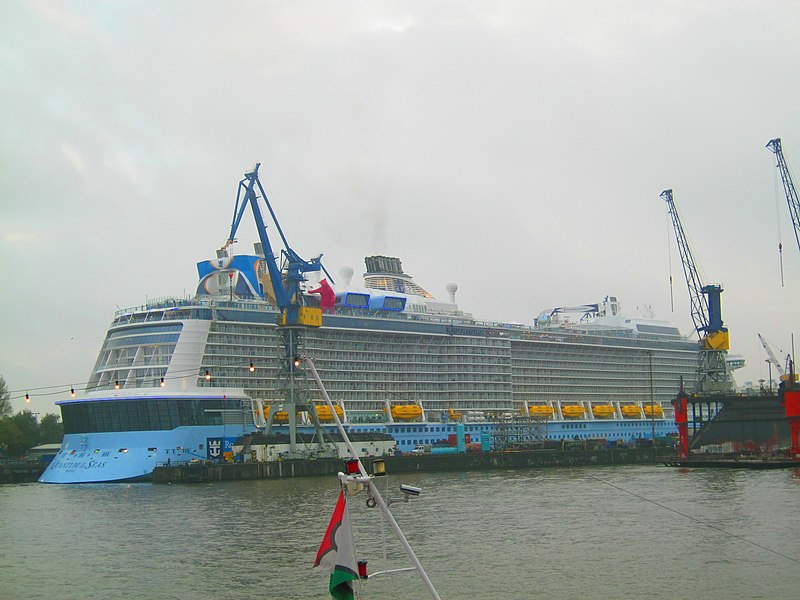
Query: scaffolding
x: 519, y: 432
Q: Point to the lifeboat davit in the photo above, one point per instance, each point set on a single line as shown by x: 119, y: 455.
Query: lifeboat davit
x: 631, y: 411
x: 572, y: 411
x: 324, y: 412
x: 603, y: 411
x: 406, y: 412
x: 544, y: 411
x: 653, y: 411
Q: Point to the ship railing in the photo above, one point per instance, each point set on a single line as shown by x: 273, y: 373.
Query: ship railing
x: 155, y: 304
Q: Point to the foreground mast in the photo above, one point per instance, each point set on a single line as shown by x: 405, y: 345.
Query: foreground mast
x: 363, y: 478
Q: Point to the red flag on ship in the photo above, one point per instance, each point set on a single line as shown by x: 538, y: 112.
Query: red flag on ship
x: 338, y: 554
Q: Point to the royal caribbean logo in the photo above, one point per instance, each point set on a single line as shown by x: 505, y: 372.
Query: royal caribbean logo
x: 214, y: 446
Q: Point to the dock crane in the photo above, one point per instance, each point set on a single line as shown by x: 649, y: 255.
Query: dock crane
x: 788, y: 187
x: 286, y: 271
x: 706, y: 312
x: 285, y: 278
x: 772, y: 359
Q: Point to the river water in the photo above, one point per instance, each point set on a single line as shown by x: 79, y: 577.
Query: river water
x: 601, y: 532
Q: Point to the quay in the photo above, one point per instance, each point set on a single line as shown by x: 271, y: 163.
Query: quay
x: 21, y: 472
x: 205, y: 471
x: 699, y: 461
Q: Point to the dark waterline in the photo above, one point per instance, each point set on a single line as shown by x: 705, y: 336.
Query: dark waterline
x: 551, y: 533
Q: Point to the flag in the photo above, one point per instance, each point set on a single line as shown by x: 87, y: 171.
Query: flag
x: 337, y: 552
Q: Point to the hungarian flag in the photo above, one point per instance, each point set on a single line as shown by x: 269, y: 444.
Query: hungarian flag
x: 337, y: 552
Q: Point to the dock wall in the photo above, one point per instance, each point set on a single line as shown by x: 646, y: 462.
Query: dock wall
x: 26, y: 472
x: 477, y: 461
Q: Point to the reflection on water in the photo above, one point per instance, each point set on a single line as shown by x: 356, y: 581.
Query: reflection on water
x: 613, y: 532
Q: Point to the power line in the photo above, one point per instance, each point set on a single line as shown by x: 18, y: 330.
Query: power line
x: 696, y: 520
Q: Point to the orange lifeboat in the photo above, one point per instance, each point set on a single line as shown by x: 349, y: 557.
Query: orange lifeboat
x: 603, y: 411
x: 324, y: 412
x: 656, y: 410
x: 406, y: 412
x: 453, y: 415
x: 542, y: 411
x: 280, y: 417
x: 631, y: 411
x: 572, y: 411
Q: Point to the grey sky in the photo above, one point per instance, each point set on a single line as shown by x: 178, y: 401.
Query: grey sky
x: 516, y: 148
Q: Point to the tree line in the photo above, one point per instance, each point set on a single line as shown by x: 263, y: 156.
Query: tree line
x: 22, y: 431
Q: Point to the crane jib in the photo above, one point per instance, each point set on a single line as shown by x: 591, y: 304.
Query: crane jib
x: 286, y: 276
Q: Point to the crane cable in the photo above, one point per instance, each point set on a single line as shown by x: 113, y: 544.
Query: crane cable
x: 669, y: 260
x: 696, y: 520
x: 778, y: 191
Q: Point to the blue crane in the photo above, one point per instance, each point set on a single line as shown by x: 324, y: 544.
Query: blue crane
x: 788, y: 187
x: 791, y: 195
x: 285, y: 278
x: 286, y: 272
x: 706, y: 312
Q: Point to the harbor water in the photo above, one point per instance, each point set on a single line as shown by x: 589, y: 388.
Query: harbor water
x: 600, y: 532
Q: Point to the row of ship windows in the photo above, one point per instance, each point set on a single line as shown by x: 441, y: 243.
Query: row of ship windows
x: 143, y: 415
x: 592, y: 368
x: 122, y: 363
x: 544, y: 364
x: 336, y: 338
x: 568, y: 436
x: 371, y: 361
x: 143, y: 356
x: 549, y: 361
x: 214, y: 348
x: 348, y: 389
x: 371, y: 372
x: 437, y: 429
x: 377, y: 373
x: 359, y: 377
x: 149, y: 329
x: 385, y: 388
x: 444, y: 345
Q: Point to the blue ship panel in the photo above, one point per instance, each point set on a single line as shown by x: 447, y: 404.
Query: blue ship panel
x: 390, y: 303
x: 353, y: 299
x: 132, y: 455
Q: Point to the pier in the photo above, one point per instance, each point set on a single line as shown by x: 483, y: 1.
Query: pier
x: 20, y: 472
x: 199, y: 472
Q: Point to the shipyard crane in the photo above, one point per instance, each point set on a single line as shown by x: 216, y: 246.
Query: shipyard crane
x: 284, y: 278
x: 286, y: 271
x: 772, y: 358
x: 706, y: 312
x: 788, y: 187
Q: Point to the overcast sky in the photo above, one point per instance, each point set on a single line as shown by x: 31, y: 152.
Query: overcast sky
x: 515, y: 148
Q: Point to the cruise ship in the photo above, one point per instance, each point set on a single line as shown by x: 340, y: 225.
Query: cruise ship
x: 181, y: 379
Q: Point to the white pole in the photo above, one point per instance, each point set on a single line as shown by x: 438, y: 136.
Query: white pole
x: 365, y: 478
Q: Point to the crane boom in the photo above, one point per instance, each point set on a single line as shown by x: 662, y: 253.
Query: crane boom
x: 772, y: 358
x: 286, y: 276
x: 788, y: 187
x: 706, y: 312
x: 698, y: 300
